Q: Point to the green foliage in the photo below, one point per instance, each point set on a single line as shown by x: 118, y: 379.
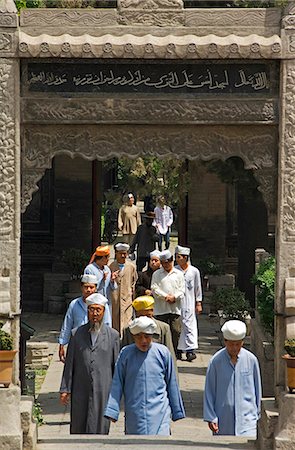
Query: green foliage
x: 76, y: 260
x: 290, y: 347
x: 233, y: 303
x: 264, y: 280
x: 29, y: 4
x: 6, y: 341
x: 150, y: 175
x: 38, y: 413
x: 259, y: 3
x: 209, y: 266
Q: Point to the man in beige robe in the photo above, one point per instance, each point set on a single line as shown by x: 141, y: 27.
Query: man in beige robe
x: 123, y: 296
x: 129, y: 219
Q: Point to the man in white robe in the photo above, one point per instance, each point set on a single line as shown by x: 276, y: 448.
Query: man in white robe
x: 145, y: 376
x: 233, y: 386
x: 191, y: 305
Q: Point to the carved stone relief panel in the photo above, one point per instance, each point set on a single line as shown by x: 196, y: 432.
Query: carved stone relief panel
x: 150, y: 4
x: 267, y: 179
x: 8, y: 162
x: 67, y: 17
x: 142, y: 110
x: 256, y: 145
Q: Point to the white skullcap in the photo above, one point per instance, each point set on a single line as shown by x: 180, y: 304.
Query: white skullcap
x: 182, y: 250
x: 155, y: 254
x: 88, y: 278
x: 234, y: 330
x: 121, y: 247
x: 96, y: 299
x: 130, y: 195
x: 143, y: 324
x: 165, y: 255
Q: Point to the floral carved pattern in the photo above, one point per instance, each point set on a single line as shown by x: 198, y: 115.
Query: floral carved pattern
x: 255, y: 146
x: 7, y: 157
x: 289, y: 157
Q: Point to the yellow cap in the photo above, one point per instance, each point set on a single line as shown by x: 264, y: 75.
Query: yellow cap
x: 144, y: 302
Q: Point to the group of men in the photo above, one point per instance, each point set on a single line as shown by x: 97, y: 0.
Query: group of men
x: 151, y: 315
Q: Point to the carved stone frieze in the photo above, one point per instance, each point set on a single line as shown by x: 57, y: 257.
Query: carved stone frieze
x: 150, y: 4
x: 154, y: 18
x: 261, y: 18
x: 256, y: 145
x: 267, y: 179
x: 142, y: 110
x: 8, y: 20
x: 67, y: 17
x: 172, y: 46
x: 7, y: 151
x: 288, y: 213
x: 5, y: 42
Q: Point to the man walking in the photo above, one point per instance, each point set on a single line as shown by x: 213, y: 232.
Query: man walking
x: 145, y: 376
x: 192, y: 304
x: 233, y: 386
x: 77, y: 315
x: 128, y: 219
x: 123, y: 296
x: 88, y: 370
x: 144, y: 240
x: 163, y: 222
x: 168, y: 291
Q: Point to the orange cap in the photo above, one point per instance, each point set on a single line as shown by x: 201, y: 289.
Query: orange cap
x: 103, y: 250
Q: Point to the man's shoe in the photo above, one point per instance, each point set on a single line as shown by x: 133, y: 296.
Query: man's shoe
x: 179, y: 355
x: 190, y: 356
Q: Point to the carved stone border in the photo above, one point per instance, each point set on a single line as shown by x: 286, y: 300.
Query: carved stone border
x: 256, y: 145
x: 152, y: 47
x: 150, y: 111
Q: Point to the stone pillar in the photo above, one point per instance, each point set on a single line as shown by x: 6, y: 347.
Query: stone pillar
x: 285, y: 239
x: 10, y: 430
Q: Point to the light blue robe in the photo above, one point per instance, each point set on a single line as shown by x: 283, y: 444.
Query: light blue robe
x: 233, y: 393
x: 104, y: 286
x: 76, y: 316
x: 151, y: 393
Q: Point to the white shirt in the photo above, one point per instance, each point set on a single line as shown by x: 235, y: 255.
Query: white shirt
x: 163, y: 219
x: 164, y: 283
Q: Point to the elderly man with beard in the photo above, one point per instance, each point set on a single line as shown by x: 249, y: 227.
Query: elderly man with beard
x: 77, y: 315
x: 88, y: 370
x: 145, y: 376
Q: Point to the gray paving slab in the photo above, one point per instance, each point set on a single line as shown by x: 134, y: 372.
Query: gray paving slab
x: 190, y: 433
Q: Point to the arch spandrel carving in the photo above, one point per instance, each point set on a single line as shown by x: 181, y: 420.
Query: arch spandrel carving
x: 267, y: 179
x: 255, y: 145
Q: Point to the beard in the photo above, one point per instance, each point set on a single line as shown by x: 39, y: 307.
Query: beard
x: 95, y: 326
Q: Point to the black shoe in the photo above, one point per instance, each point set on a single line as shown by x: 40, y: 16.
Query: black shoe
x: 190, y: 356
x: 179, y: 355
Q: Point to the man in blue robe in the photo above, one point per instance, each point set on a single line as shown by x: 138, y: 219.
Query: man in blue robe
x: 145, y: 376
x: 233, y: 386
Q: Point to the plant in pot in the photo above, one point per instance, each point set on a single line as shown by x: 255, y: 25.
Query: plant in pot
x: 290, y: 362
x: 76, y: 260
x: 7, y: 355
x: 231, y: 303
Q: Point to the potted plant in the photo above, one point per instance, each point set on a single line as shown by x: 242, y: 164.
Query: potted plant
x: 290, y: 362
x: 231, y: 303
x: 7, y: 355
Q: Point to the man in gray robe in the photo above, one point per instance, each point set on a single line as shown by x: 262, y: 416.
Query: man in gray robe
x: 88, y: 371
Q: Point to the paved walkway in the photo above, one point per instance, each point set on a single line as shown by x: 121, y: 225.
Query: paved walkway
x: 190, y: 433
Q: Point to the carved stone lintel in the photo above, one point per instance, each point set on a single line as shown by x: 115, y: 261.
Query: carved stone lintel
x: 267, y: 179
x: 83, y: 110
x: 150, y: 4
x: 256, y: 146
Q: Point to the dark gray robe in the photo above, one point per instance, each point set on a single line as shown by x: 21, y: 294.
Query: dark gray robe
x: 87, y: 375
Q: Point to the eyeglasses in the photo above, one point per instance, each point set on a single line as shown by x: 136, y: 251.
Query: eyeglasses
x: 95, y: 310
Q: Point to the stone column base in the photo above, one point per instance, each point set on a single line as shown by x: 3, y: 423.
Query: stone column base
x: 285, y: 438
x: 11, y: 435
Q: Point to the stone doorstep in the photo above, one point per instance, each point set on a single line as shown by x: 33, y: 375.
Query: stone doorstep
x: 269, y: 417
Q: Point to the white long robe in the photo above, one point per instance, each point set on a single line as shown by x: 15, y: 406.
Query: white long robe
x: 151, y: 393
x: 188, y: 339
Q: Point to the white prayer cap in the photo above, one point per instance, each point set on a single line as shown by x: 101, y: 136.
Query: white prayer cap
x: 155, y: 254
x: 234, y: 330
x: 165, y: 255
x: 182, y: 250
x: 143, y: 324
x: 96, y: 299
x: 88, y: 278
x: 121, y: 247
x: 130, y: 195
